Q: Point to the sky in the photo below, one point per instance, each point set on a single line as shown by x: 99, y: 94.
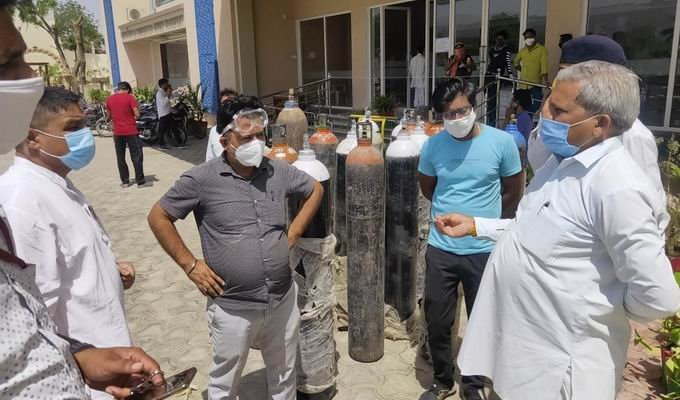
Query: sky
x: 94, y: 6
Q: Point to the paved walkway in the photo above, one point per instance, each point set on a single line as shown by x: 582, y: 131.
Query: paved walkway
x: 166, y: 313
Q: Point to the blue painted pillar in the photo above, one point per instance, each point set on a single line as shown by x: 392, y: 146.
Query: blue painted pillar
x: 111, y: 36
x: 207, y: 53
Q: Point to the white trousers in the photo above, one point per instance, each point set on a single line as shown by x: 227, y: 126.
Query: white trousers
x: 419, y: 97
x: 232, y: 331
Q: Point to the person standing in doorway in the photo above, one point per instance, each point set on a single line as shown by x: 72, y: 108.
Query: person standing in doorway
x: 468, y: 166
x: 500, y: 62
x: 532, y: 63
x: 460, y: 63
x: 416, y: 71
x: 124, y: 111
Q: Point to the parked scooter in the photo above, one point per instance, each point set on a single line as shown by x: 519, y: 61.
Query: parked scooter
x: 147, y: 124
x: 95, y: 118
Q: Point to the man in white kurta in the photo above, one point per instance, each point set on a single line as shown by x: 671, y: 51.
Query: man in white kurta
x: 584, y: 254
x: 416, y: 71
x: 58, y: 232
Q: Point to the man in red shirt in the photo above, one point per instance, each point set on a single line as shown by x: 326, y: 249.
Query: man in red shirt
x: 124, y: 111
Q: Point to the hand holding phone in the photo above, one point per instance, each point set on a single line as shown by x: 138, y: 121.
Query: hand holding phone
x: 173, y: 385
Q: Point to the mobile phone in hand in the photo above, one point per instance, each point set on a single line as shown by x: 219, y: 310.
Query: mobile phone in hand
x: 173, y: 385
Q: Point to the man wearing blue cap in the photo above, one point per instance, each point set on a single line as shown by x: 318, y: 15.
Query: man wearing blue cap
x: 638, y: 140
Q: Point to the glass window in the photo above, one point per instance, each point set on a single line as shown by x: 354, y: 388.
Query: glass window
x: 645, y: 30
x: 441, y: 41
x: 159, y: 3
x: 312, y: 50
x: 396, y: 53
x: 468, y: 24
x: 504, y: 16
x: 317, y: 61
x: 339, y: 58
x: 536, y: 19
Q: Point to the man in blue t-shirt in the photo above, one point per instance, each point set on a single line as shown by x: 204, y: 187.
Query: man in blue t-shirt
x: 473, y: 169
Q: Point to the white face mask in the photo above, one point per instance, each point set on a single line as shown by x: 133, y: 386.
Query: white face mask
x: 461, y: 127
x: 529, y: 42
x: 17, y: 104
x: 251, y: 153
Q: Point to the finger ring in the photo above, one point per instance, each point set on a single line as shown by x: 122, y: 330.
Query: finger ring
x: 157, y: 372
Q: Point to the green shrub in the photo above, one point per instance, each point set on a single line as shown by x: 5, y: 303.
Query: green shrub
x: 144, y: 94
x: 97, y: 95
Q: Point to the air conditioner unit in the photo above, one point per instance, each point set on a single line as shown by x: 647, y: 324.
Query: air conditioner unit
x: 133, y: 14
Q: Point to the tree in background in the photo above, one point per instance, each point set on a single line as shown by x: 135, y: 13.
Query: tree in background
x: 72, y: 28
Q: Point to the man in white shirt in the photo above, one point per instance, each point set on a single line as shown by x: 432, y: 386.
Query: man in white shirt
x: 584, y: 253
x: 416, y: 71
x: 164, y: 109
x: 215, y: 148
x: 56, y: 230
x: 638, y: 140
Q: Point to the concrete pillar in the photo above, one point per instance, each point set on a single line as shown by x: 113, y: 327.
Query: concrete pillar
x: 227, y: 59
x: 111, y: 41
x: 562, y: 17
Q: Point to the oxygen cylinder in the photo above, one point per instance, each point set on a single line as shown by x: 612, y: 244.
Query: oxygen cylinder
x: 408, y: 120
x: 344, y: 148
x: 365, y: 174
x: 377, y: 138
x: 433, y: 127
x: 324, y: 143
x: 320, y: 227
x: 419, y: 137
x: 295, y: 121
x: 401, y: 225
x: 280, y: 149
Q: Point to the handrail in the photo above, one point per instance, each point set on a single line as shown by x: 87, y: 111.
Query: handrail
x: 488, y: 98
x: 297, y: 88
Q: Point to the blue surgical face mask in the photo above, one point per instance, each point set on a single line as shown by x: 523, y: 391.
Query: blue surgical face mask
x: 554, y: 135
x: 81, y: 148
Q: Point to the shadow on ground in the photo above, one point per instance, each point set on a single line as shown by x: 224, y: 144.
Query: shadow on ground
x: 194, y: 153
x: 253, y: 386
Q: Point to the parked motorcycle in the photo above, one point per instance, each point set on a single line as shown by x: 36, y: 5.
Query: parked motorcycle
x: 95, y: 118
x: 147, y: 124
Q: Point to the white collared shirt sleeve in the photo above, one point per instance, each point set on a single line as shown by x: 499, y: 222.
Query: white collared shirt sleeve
x: 628, y: 225
x: 491, y: 228
x: 214, y: 148
x: 641, y: 145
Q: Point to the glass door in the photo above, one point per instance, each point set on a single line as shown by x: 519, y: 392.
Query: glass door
x: 647, y: 31
x: 442, y: 41
x: 394, y: 35
x: 397, y: 45
x: 476, y: 23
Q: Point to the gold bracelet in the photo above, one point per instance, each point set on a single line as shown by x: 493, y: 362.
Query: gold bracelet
x: 473, y: 231
x: 192, y: 267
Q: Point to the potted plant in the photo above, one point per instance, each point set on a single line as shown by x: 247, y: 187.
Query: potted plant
x: 384, y: 105
x: 97, y: 95
x: 669, y: 342
x: 193, y: 97
x: 144, y: 94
